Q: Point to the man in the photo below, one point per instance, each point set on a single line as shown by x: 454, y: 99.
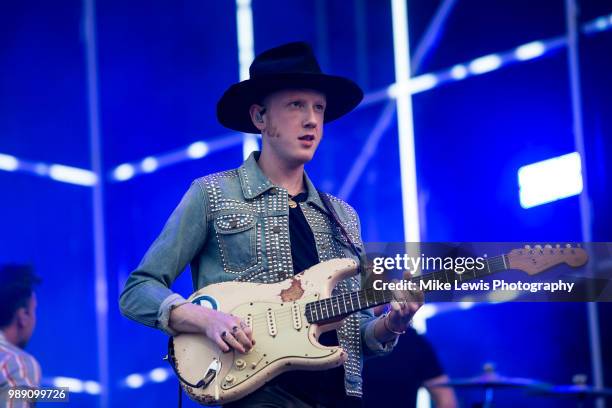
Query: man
x: 264, y: 222
x: 17, y: 322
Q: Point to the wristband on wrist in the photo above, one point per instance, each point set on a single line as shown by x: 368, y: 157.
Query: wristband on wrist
x: 386, y: 323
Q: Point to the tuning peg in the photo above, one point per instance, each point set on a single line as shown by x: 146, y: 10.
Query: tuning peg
x: 548, y: 246
x: 568, y: 245
x: 557, y: 246
x: 538, y: 247
x: 527, y: 247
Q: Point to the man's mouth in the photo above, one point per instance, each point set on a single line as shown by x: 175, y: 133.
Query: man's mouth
x: 307, y: 137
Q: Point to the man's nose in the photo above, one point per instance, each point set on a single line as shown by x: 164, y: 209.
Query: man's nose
x: 311, y: 119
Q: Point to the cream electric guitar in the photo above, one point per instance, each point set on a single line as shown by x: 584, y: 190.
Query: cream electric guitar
x: 288, y: 317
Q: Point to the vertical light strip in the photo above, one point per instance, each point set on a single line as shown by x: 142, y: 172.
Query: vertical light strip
x: 401, y: 54
x: 95, y: 152
x: 419, y: 84
x: 246, y: 54
x: 410, y: 207
x: 571, y: 14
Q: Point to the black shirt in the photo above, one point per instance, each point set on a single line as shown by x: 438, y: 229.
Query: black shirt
x: 303, y: 247
x: 324, y: 387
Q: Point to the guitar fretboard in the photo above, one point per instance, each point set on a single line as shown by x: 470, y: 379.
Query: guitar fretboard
x: 344, y: 304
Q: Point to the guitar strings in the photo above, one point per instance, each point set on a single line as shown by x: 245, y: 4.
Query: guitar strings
x: 494, y: 263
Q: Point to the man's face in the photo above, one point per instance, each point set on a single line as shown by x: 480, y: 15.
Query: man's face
x: 293, y: 124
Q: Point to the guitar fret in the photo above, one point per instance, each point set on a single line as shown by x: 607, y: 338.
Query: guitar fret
x: 338, y: 310
x: 352, y: 305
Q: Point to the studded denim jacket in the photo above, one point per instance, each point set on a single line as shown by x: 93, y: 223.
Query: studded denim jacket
x: 234, y: 226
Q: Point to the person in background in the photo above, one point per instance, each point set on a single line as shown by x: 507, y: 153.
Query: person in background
x: 18, y: 368
x: 395, y: 381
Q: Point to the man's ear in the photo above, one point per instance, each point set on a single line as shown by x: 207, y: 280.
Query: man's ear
x: 256, y: 113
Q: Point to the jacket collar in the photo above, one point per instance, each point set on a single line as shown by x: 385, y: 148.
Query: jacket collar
x: 254, y: 182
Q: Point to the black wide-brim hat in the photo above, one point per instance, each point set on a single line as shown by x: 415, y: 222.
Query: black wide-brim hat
x: 289, y: 66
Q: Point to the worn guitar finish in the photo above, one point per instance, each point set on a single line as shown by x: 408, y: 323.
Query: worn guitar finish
x: 288, y: 317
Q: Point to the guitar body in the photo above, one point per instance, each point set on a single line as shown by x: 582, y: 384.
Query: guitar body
x: 284, y: 338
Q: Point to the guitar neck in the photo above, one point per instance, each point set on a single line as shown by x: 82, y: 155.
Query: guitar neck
x: 347, y: 303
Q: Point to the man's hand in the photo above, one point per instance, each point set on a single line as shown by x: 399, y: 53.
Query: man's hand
x: 226, y: 330
x: 403, y: 309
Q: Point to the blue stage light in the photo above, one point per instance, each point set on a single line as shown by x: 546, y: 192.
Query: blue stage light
x: 423, y: 83
x: 8, y: 163
x: 197, y: 150
x: 601, y: 23
x: 159, y: 375
x: 73, y: 384
x: 458, y: 72
x: 530, y: 51
x: 134, y: 381
x: 92, y: 387
x: 485, y: 64
x: 246, y: 55
x: 123, y: 172
x: 550, y: 180
x: 149, y: 164
x: 405, y: 126
x: 72, y: 175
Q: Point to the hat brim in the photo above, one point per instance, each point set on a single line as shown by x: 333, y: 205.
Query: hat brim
x: 342, y: 96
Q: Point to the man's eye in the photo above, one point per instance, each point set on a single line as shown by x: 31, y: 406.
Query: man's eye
x: 296, y: 104
x: 320, y: 108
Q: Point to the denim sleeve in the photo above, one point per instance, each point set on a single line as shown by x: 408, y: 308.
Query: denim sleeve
x: 147, y: 297
x: 369, y: 343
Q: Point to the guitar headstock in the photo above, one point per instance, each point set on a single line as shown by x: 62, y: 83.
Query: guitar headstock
x: 539, y: 258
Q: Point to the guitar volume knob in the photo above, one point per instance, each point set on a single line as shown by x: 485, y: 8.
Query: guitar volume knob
x: 240, y: 364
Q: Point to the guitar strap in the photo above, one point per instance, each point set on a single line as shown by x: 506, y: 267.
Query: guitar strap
x: 336, y: 220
